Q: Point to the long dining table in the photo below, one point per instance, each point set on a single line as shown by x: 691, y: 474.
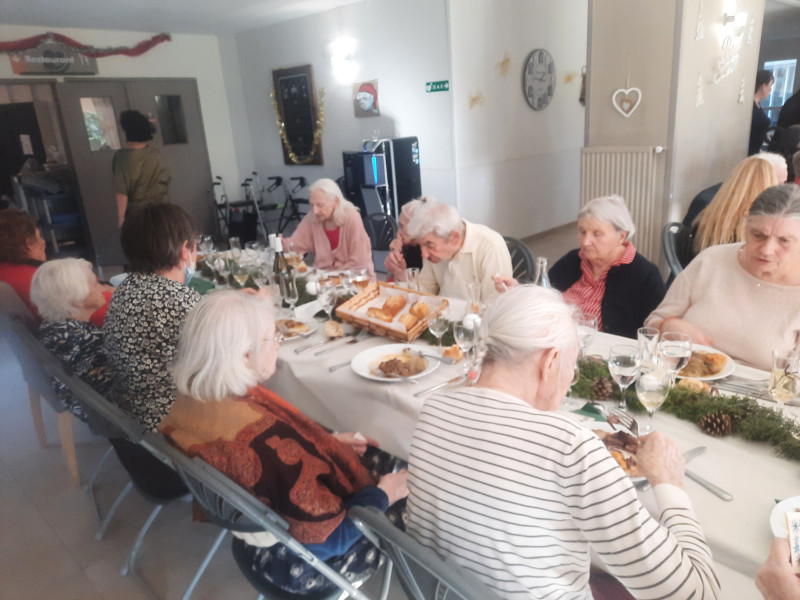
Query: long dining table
x: 738, y: 530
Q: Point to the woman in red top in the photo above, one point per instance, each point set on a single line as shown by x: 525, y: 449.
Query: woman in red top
x: 22, y: 250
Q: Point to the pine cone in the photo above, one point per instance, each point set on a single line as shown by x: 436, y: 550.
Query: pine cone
x: 717, y: 424
x: 602, y: 388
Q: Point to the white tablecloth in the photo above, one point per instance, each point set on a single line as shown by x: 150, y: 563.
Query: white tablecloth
x: 738, y: 531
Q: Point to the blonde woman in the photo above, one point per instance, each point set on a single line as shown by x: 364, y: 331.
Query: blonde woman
x: 723, y: 220
x: 333, y: 231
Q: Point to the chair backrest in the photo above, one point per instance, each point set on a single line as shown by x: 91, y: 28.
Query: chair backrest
x: 522, y: 263
x: 381, y: 229
x: 676, y: 243
x: 109, y: 253
x: 423, y: 574
x: 13, y: 306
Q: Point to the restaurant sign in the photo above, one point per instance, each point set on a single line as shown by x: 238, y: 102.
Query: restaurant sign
x: 52, y: 58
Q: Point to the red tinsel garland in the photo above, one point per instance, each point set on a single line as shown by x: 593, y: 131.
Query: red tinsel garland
x: 90, y: 51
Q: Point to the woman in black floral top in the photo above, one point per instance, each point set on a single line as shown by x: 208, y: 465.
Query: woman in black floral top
x: 148, y: 309
x: 66, y: 293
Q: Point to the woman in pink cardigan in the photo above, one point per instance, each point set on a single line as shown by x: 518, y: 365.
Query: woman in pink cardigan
x: 333, y: 231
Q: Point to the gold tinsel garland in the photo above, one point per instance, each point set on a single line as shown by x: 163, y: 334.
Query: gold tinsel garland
x: 317, y: 129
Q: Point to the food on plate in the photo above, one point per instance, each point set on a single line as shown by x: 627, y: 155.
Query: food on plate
x: 694, y: 385
x: 330, y: 280
x: 333, y: 330
x: 380, y: 314
x: 297, y: 262
x: 394, y: 304
x: 453, y: 352
x: 623, y: 447
x: 704, y: 364
x: 291, y: 328
x: 408, y: 320
x: 419, y: 309
x: 405, y: 364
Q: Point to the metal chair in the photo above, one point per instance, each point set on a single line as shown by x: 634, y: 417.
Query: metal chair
x: 381, y: 229
x: 423, y: 574
x: 290, y: 211
x: 109, y: 253
x: 234, y: 509
x: 676, y: 243
x: 522, y: 263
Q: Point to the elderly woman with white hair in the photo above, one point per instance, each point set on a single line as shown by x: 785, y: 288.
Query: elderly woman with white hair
x: 606, y: 277
x: 333, y: 231
x: 66, y: 293
x: 307, y: 475
x: 519, y: 493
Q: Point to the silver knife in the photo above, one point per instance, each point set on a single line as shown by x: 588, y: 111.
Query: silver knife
x: 439, y: 386
x: 709, y: 486
x: 344, y: 363
x: 693, y: 453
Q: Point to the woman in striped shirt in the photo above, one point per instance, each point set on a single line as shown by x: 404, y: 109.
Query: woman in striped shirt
x: 521, y: 494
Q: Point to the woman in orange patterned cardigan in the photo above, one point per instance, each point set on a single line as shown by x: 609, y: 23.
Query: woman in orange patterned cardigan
x: 307, y: 475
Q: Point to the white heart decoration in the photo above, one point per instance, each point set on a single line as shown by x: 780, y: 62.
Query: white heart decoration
x: 624, y: 103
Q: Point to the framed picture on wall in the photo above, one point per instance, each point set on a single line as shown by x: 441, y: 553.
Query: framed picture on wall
x: 295, y: 97
x: 365, y: 99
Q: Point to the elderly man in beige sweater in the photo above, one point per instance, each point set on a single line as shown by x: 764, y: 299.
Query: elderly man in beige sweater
x: 458, y: 257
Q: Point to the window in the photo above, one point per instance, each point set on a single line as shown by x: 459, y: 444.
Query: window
x: 101, y: 123
x: 783, y: 71
x: 171, y: 120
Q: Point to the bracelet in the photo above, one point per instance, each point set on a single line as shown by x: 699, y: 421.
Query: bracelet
x: 663, y: 321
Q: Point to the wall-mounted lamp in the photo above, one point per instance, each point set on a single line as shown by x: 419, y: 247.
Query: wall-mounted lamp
x: 345, y: 68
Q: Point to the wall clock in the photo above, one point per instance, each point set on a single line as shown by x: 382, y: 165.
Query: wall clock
x: 539, y: 79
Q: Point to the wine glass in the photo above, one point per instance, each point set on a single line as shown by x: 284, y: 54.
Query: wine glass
x: 239, y: 272
x: 327, y: 297
x: 288, y: 287
x: 652, y: 388
x: 587, y: 328
x: 260, y: 275
x: 437, y: 325
x: 223, y: 269
x: 623, y: 364
x: 360, y: 279
x: 206, y: 245
x: 674, y: 351
x: 784, y: 381
x: 236, y: 247
x: 464, y: 332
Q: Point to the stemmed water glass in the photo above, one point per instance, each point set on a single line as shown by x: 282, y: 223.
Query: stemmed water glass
x: 784, y: 381
x: 652, y: 388
x: 623, y: 364
x: 464, y: 332
x: 437, y: 325
x: 587, y: 328
x: 206, y: 245
x: 222, y: 268
x: 288, y: 287
x: 327, y: 297
x: 674, y: 351
x: 239, y: 272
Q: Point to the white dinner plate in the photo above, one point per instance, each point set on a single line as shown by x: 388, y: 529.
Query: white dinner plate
x: 604, y: 426
x: 728, y: 369
x: 289, y: 337
x: 366, y: 363
x: 777, y: 519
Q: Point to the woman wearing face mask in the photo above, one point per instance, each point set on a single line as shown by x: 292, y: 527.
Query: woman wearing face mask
x: 147, y: 310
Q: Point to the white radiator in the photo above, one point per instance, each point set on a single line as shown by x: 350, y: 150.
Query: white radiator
x: 633, y: 173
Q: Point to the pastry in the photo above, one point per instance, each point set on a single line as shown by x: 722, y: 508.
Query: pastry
x: 333, y: 330
x: 419, y: 309
x: 408, y: 320
x: 394, y: 304
x: 380, y: 314
x: 694, y: 385
x: 453, y: 352
x: 704, y: 364
x: 291, y: 328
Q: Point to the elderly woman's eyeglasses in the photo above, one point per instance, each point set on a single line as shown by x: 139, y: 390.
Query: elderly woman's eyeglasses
x: 278, y: 338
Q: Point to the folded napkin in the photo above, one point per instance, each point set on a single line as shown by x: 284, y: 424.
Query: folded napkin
x: 308, y: 310
x: 201, y: 286
x: 590, y: 411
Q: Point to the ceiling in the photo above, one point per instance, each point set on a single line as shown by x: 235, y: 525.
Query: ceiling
x: 168, y: 16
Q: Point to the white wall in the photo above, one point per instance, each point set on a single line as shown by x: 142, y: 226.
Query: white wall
x: 401, y: 44
x: 517, y: 169
x: 196, y: 56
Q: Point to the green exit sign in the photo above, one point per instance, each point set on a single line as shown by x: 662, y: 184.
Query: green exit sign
x: 437, y: 86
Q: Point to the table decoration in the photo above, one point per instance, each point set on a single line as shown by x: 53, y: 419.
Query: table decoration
x: 748, y: 419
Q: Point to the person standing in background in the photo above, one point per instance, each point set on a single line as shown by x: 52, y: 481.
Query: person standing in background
x: 760, y: 122
x: 140, y: 175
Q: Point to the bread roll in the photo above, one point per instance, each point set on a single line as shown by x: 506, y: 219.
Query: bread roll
x: 408, y: 320
x: 380, y: 314
x: 453, y: 352
x: 419, y: 309
x: 394, y: 304
x: 333, y: 330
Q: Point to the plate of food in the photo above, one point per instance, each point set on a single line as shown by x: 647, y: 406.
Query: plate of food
x: 622, y: 446
x: 291, y: 329
x: 777, y: 519
x: 707, y: 364
x: 383, y: 362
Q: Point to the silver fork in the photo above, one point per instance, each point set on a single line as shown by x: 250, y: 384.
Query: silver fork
x: 618, y: 416
x: 447, y: 361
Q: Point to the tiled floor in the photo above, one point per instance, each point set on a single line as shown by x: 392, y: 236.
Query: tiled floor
x: 47, y: 545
